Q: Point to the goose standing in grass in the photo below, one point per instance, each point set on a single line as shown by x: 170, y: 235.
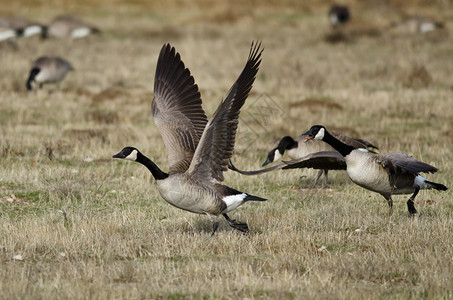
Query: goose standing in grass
x: 198, y: 149
x: 47, y: 69
x: 70, y: 26
x: 7, y: 33
x: 296, y: 148
x: 391, y: 174
x: 23, y: 27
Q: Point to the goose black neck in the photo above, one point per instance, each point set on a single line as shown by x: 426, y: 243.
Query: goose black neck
x: 338, y: 145
x: 286, y: 143
x: 158, y: 174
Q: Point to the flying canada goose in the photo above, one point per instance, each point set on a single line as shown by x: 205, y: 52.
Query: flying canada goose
x: 393, y: 173
x: 296, y: 148
x: 198, y: 149
x: 69, y: 26
x: 339, y: 15
x: 23, y: 27
x: 47, y: 69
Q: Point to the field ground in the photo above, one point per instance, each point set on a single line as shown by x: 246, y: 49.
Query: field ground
x: 75, y: 223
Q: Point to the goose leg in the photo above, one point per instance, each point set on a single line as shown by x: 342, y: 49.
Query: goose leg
x: 237, y: 225
x: 410, y: 202
x: 390, y: 203
x: 326, y: 178
x: 215, y: 225
x: 316, y: 179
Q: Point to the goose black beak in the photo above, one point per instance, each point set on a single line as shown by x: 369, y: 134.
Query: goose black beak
x: 119, y: 155
x: 266, y: 162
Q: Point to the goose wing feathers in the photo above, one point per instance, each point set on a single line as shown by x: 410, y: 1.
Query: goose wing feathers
x: 177, y: 109
x: 331, y: 160
x: 354, y: 142
x: 217, y: 143
x: 400, y: 163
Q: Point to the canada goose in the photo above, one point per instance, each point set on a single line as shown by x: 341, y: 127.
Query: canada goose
x: 48, y: 69
x: 198, y: 149
x: 417, y: 24
x: 7, y: 33
x: 296, y: 148
x: 339, y: 15
x: 23, y: 27
x: 69, y: 26
x: 393, y: 173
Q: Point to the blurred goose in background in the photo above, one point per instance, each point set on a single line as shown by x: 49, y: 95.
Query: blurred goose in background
x: 339, y: 15
x: 70, y: 26
x: 198, y: 149
x: 297, y: 148
x: 48, y: 69
x: 390, y: 174
x: 7, y: 33
x: 417, y: 24
x: 23, y: 27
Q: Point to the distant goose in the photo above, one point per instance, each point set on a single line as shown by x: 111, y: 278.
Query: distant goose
x: 339, y: 15
x: 297, y: 148
x: 23, y: 27
x: 417, y: 24
x: 198, y: 149
x: 48, y: 69
x: 69, y: 26
x: 391, y: 174
x: 7, y: 33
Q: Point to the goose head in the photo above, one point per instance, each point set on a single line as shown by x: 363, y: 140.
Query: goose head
x: 31, y: 79
x: 129, y: 153
x: 316, y: 132
x: 273, y: 155
x: 286, y: 143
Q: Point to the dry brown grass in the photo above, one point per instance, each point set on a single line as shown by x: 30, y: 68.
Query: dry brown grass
x: 76, y: 224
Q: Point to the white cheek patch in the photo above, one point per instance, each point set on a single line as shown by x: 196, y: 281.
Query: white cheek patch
x: 363, y: 150
x: 277, y: 155
x: 234, y: 201
x: 333, y: 19
x: 80, y: 32
x: 320, y: 134
x: 132, y: 156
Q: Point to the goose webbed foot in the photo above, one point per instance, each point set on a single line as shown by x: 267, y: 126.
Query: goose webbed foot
x: 410, y: 202
x: 215, y: 225
x: 243, y: 227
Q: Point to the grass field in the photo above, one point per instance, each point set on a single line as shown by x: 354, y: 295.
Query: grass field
x: 75, y: 223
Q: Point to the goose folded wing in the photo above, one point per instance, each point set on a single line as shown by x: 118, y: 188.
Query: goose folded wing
x: 400, y: 163
x: 177, y: 109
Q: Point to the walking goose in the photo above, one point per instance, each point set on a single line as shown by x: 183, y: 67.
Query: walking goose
x: 198, y: 149
x: 70, y: 26
x: 296, y: 148
x: 47, y: 69
x: 393, y: 173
